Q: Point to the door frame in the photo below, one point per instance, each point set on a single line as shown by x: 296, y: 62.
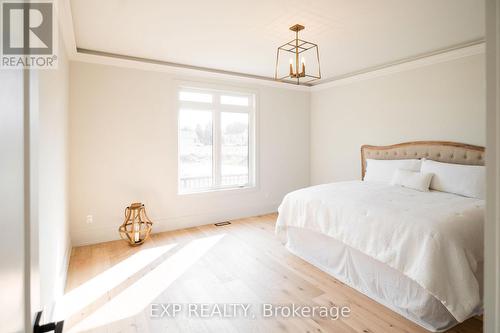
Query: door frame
x: 492, y: 225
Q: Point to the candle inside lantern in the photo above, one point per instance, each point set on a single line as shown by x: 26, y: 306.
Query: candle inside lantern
x: 291, y: 67
x: 136, y: 233
x: 303, y: 66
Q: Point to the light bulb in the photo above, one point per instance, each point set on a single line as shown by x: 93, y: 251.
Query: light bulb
x: 303, y: 61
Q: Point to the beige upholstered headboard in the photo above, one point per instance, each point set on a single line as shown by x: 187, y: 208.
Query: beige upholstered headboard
x: 441, y: 151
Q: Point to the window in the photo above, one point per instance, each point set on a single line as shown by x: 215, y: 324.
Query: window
x: 216, y: 139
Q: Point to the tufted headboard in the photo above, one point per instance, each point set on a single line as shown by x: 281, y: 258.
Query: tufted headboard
x: 441, y: 151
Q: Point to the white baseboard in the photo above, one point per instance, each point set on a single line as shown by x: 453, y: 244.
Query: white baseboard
x: 49, y: 311
x: 110, y: 233
x: 67, y: 258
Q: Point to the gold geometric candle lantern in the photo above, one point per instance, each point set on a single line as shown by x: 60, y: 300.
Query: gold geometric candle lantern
x: 137, y: 225
x: 293, y: 69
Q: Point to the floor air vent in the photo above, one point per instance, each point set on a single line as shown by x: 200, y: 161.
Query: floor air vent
x: 220, y: 224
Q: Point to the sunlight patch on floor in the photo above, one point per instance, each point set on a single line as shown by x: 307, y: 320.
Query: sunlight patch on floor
x: 140, y: 294
x: 90, y: 291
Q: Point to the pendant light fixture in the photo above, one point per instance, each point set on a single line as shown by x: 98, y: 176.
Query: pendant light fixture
x: 296, y: 50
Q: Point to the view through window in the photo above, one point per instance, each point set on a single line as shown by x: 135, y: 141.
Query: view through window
x: 215, y: 139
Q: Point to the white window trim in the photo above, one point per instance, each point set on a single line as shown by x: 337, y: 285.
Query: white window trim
x: 217, y: 108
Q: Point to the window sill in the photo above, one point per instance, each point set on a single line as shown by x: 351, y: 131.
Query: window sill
x: 219, y: 190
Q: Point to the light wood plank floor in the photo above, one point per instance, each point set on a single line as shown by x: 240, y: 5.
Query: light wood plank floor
x: 111, y: 286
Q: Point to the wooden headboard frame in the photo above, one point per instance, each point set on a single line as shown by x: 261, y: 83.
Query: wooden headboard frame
x: 441, y: 151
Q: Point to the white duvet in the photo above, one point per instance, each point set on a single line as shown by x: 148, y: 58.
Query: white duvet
x: 434, y: 238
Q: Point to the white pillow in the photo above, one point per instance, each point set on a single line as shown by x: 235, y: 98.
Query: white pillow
x: 383, y: 170
x: 466, y: 180
x: 412, y: 179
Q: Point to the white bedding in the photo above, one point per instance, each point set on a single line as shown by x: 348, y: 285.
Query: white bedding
x: 371, y: 277
x: 433, y: 238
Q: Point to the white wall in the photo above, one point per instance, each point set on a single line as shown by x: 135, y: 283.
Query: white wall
x: 12, y: 201
x: 53, y: 184
x: 123, y: 148
x: 117, y: 113
x: 444, y: 101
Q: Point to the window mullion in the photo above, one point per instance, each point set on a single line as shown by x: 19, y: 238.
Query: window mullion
x: 216, y: 142
x: 251, y: 146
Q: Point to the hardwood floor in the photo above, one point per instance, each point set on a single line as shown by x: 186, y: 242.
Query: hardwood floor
x: 111, y: 286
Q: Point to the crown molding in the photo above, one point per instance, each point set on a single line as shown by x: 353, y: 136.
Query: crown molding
x: 113, y: 59
x: 442, y: 55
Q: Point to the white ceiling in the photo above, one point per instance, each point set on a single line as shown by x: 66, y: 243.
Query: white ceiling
x: 242, y: 36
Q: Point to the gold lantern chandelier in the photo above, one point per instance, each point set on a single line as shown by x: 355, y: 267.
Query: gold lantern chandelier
x: 297, y: 49
x: 137, y: 226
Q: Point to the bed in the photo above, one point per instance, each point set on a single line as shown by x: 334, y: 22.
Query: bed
x: 418, y: 253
